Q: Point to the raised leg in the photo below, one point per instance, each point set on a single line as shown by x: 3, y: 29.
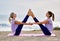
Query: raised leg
x: 19, y: 28
x: 43, y: 28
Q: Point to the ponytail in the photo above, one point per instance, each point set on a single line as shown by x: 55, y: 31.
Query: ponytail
x: 11, y: 16
x: 53, y: 17
x: 9, y: 19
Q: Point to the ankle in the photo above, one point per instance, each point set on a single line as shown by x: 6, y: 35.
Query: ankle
x: 28, y: 14
x: 33, y: 16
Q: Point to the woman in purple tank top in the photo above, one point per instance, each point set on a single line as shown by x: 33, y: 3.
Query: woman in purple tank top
x: 15, y: 23
x: 48, y: 22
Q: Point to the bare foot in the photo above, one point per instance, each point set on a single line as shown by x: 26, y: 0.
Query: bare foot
x: 30, y: 13
x: 33, y: 16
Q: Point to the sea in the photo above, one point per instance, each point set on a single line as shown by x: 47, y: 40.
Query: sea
x: 6, y: 26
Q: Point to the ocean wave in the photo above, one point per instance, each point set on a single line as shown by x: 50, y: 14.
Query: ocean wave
x: 4, y: 25
x: 7, y: 27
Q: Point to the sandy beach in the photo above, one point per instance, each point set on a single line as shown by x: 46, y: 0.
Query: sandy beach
x: 4, y: 37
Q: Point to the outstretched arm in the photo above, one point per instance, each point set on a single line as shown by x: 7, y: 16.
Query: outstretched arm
x: 43, y: 22
x: 33, y: 16
x: 25, y: 19
x: 17, y: 22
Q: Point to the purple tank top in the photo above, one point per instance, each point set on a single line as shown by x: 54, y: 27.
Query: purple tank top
x: 49, y: 25
x: 13, y: 26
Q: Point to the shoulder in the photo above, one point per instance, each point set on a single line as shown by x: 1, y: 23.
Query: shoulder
x: 12, y: 21
x: 50, y: 20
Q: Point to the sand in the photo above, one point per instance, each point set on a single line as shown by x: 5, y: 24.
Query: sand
x: 4, y: 37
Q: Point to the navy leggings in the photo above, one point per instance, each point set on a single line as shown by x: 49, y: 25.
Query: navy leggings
x: 19, y: 28
x: 43, y: 28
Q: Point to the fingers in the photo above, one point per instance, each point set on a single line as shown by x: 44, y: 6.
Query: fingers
x: 31, y: 23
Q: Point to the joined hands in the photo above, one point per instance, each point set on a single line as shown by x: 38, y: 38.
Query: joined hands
x: 31, y: 23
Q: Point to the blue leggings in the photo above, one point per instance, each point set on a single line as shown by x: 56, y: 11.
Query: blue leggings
x: 19, y: 28
x: 43, y: 28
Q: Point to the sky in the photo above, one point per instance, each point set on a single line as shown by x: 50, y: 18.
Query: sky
x: 39, y: 8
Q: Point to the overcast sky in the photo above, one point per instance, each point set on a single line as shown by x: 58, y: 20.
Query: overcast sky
x: 39, y: 7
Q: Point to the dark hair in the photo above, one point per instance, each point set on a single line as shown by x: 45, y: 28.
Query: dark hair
x: 11, y: 16
x: 51, y: 15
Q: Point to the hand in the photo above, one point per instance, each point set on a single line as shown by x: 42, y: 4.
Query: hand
x: 30, y: 23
